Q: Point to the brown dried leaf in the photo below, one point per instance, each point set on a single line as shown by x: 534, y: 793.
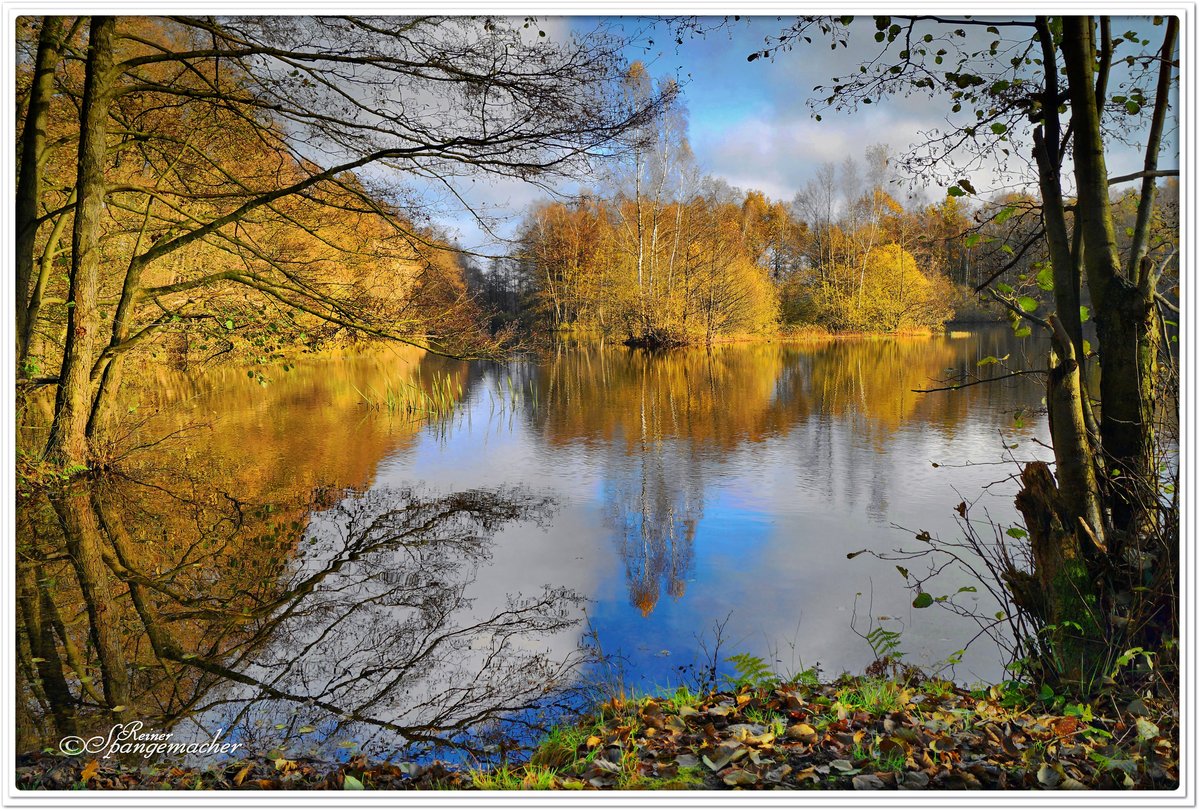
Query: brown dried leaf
x: 740, y: 777
x: 803, y: 733
x: 866, y: 782
x: 241, y: 775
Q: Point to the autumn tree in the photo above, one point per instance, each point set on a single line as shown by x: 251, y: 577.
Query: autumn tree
x: 215, y: 155
x: 705, y: 272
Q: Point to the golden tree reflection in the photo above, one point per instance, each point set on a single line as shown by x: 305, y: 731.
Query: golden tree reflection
x: 135, y: 606
x: 243, y: 569
x: 661, y: 422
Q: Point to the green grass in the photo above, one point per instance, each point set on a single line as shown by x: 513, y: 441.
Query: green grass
x: 563, y: 755
x: 687, y: 778
x: 937, y: 688
x: 561, y: 746
x: 875, y: 696
x: 682, y: 697
x: 822, y: 721
x: 774, y: 722
x: 514, y: 778
x: 891, y: 761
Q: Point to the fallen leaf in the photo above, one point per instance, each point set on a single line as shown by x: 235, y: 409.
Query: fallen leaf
x: 803, y: 733
x: 1048, y: 777
x: 890, y: 746
x: 605, y: 766
x: 740, y: 777
x: 722, y: 757
x: 867, y: 782
x: 90, y: 770
x: 1137, y: 707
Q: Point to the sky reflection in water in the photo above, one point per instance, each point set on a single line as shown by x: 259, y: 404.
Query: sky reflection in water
x: 667, y: 492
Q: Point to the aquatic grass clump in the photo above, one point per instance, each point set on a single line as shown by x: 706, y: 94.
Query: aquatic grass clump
x: 412, y: 399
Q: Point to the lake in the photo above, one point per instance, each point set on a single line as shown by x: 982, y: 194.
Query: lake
x: 305, y: 558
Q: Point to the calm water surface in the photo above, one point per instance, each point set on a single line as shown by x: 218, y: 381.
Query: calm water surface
x: 336, y: 573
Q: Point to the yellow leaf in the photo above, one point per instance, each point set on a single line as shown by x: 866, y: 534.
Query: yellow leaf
x: 802, y: 732
x: 90, y: 770
x: 241, y: 775
x: 593, y: 742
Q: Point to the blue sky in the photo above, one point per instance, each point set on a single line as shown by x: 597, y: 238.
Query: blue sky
x: 750, y: 123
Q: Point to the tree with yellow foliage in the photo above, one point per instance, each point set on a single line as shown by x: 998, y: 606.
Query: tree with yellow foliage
x: 242, y: 175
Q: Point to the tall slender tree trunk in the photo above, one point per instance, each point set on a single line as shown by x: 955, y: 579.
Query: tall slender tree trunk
x: 29, y: 179
x: 50, y: 252
x: 1126, y: 328
x: 68, y: 445
x: 107, y: 372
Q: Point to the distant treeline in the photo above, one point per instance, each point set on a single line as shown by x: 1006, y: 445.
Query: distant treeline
x: 660, y: 254
x: 666, y: 256
x: 718, y: 263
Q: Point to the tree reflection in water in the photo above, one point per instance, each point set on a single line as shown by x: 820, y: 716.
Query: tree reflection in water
x: 237, y: 595
x: 302, y: 625
x: 654, y: 510
x: 666, y: 428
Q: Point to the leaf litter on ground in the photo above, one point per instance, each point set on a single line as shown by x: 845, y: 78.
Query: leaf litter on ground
x: 765, y: 738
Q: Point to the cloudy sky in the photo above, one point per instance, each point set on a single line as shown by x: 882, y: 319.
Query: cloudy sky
x: 750, y: 122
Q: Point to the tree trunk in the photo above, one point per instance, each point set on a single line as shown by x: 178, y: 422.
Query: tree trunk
x: 1076, y: 469
x: 68, y: 444
x: 1126, y: 330
x: 1062, y: 593
x: 50, y: 252
x: 29, y: 179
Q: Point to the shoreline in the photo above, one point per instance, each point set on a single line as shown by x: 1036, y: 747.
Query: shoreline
x: 854, y: 733
x: 797, y: 335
